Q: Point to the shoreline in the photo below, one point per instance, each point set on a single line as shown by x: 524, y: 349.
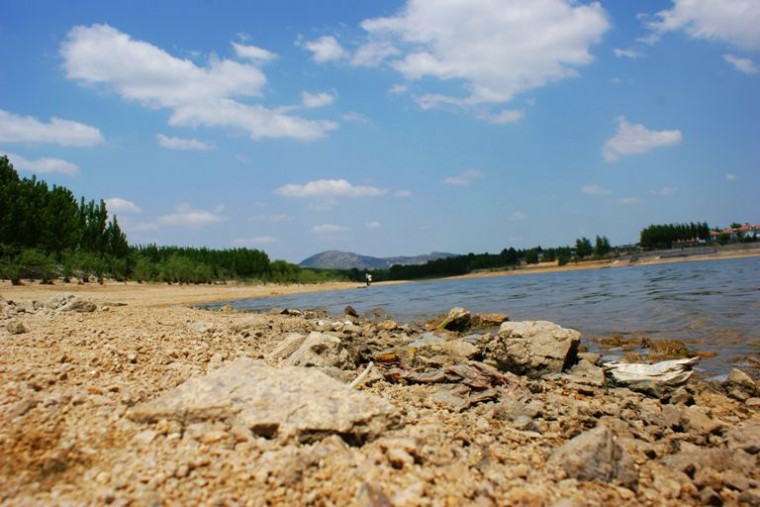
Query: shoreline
x: 162, y: 295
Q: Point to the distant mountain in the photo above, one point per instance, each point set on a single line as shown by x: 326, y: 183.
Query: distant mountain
x: 335, y: 259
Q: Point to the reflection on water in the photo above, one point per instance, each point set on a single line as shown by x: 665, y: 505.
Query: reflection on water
x: 712, y: 305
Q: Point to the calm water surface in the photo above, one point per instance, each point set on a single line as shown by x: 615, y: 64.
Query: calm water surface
x: 711, y: 305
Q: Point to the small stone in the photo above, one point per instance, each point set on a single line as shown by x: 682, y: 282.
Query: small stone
x: 16, y: 327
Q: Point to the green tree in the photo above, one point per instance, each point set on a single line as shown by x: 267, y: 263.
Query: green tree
x: 583, y: 248
x: 601, y: 246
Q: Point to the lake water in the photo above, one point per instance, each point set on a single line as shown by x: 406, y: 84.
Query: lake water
x: 712, y: 306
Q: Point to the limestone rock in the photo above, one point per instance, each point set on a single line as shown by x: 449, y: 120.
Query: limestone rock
x: 321, y: 350
x: 740, y: 386
x: 489, y: 319
x: 533, y: 348
x: 16, y: 327
x: 287, y: 346
x: 286, y: 403
x: 594, y: 455
x: 458, y: 319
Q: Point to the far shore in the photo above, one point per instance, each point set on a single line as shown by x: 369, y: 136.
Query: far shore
x: 161, y: 294
x: 552, y: 267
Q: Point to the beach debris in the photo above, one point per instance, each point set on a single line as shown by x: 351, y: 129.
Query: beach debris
x: 357, y: 383
x: 596, y: 456
x: 532, y: 348
x: 654, y: 378
x: 283, y: 403
x: 470, y: 383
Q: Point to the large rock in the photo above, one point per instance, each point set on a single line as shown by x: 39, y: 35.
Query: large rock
x: 595, y: 456
x: 287, y: 403
x: 533, y: 348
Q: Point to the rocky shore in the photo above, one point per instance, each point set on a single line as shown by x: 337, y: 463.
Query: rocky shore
x: 107, y: 402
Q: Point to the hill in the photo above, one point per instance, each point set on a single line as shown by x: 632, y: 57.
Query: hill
x: 335, y: 259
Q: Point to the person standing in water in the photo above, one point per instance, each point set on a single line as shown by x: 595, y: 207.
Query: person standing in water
x: 369, y: 279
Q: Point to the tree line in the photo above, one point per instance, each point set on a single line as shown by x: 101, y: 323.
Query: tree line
x: 45, y: 233
x: 666, y: 235
x: 508, y: 258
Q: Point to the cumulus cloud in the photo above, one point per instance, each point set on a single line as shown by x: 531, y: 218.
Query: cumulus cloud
x: 329, y: 188
x: 184, y: 216
x: 733, y: 22
x: 731, y: 177
x: 403, y: 193
x: 328, y: 229
x: 632, y: 139
x: 373, y: 225
x: 518, y: 216
x: 464, y: 178
x: 178, y: 143
x: 595, y: 190
x: 326, y: 49
x: 26, y: 129
x: 119, y: 205
x: 629, y: 200
x: 208, y: 96
x: 43, y: 165
x: 744, y: 65
x: 315, y: 100
x: 496, y: 48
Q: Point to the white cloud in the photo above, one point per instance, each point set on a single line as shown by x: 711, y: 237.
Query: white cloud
x: 259, y: 121
x: 185, y: 216
x: 518, y: 216
x: 207, y: 96
x: 373, y: 225
x: 497, y: 48
x: 329, y: 188
x: 43, y: 165
x: 323, y: 205
x: 373, y: 53
x: 627, y: 53
x: 315, y: 100
x: 325, y: 49
x: 744, y: 65
x: 595, y: 190
x: 398, y: 89
x: 256, y: 241
x: 503, y: 117
x: 119, y: 205
x: 26, y: 129
x: 353, y: 117
x: 665, y: 191
x: 629, y: 200
x: 403, y: 193
x: 633, y: 139
x: 328, y: 229
x: 253, y: 53
x: 734, y: 22
x: 464, y: 178
x: 731, y: 177
x: 178, y: 143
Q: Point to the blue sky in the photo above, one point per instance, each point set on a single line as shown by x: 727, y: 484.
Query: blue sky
x: 388, y: 128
